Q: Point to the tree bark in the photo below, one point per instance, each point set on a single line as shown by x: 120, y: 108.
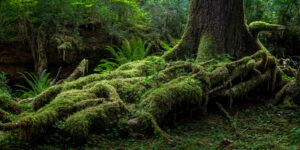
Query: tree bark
x: 215, y: 26
x: 36, y: 41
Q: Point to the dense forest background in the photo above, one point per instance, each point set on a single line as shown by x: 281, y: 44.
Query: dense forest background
x: 56, y: 33
x: 113, y: 73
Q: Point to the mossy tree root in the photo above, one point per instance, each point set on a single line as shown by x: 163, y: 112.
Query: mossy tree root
x: 98, y: 102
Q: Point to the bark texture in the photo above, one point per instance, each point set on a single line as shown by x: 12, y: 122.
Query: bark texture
x: 215, y: 26
x: 36, y: 41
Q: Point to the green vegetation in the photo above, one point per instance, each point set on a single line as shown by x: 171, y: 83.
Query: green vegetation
x: 57, y: 15
x: 259, y: 127
x: 138, y: 99
x: 283, y: 12
x: 121, y: 104
x: 37, y: 84
x: 131, y: 50
x: 3, y: 83
x: 207, y: 45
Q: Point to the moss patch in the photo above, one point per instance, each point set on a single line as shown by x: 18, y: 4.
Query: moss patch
x: 207, y: 46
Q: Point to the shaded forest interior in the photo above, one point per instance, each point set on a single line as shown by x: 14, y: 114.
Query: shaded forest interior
x: 149, y: 74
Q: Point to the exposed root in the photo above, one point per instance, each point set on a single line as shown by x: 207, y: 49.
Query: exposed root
x: 79, y: 71
x: 99, y: 102
x: 243, y: 88
x: 147, y: 118
x: 178, y: 92
x: 88, y: 103
x: 288, y: 93
x: 258, y: 26
x: 4, y: 116
x: 232, y: 120
x: 9, y: 105
x: 45, y: 97
x: 97, y: 118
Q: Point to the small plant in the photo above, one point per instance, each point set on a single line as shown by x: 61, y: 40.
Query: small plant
x: 287, y: 78
x: 106, y: 66
x: 295, y: 136
x: 211, y: 61
x: 168, y: 46
x: 155, y: 67
x: 165, y: 46
x: 36, y: 84
x: 3, y: 83
x: 131, y: 50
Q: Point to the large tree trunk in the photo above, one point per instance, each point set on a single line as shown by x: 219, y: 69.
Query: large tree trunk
x: 215, y: 26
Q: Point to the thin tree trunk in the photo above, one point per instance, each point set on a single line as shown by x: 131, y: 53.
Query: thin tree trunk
x: 41, y: 53
x: 215, y: 26
x: 36, y: 42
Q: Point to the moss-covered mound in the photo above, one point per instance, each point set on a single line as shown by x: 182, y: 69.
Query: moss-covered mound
x: 139, y: 96
x: 7, y: 106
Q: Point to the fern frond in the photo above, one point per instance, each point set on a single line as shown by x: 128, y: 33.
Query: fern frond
x: 35, y: 84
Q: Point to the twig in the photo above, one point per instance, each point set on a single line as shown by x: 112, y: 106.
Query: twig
x: 231, y: 119
x: 57, y: 75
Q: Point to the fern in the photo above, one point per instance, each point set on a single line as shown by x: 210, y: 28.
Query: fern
x: 106, y: 66
x: 165, y: 46
x: 130, y: 50
x: 35, y: 84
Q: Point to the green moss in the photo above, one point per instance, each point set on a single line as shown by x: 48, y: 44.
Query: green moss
x: 149, y: 122
x: 259, y: 55
x: 100, y: 102
x: 64, y: 102
x: 4, y: 116
x: 97, y: 118
x: 177, y: 69
x: 287, y: 78
x: 7, y: 104
x: 207, y: 46
x: 105, y: 90
x: 251, y: 64
x: 243, y: 88
x: 172, y: 96
x: 258, y: 26
x: 46, y: 96
x: 36, y: 124
x: 88, y: 103
x: 130, y: 89
x: 128, y: 70
x: 39, y: 122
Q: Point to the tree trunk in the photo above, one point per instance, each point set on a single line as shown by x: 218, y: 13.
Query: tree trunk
x: 42, y: 61
x: 36, y: 41
x: 215, y: 26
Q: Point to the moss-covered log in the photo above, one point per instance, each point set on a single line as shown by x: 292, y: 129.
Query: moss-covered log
x: 142, y: 95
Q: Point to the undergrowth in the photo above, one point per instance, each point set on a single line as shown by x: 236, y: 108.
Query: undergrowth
x: 130, y: 50
x: 143, y: 97
x: 36, y: 84
x: 263, y: 127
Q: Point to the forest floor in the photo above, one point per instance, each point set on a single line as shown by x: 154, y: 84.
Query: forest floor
x: 264, y: 127
x: 257, y: 127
